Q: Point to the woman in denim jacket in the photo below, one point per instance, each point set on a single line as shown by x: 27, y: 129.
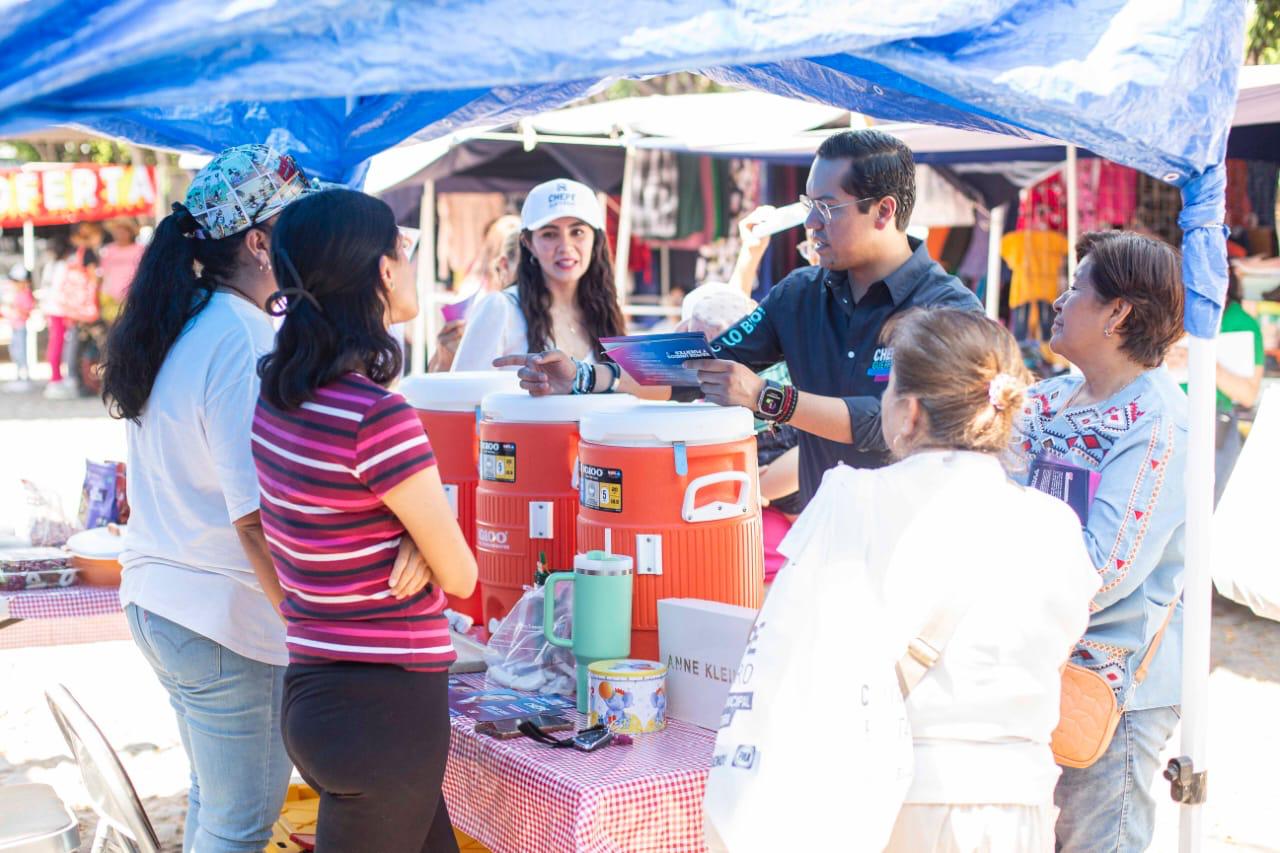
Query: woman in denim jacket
x: 1122, y: 425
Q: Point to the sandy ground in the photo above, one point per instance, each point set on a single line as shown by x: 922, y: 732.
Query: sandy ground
x: 119, y: 691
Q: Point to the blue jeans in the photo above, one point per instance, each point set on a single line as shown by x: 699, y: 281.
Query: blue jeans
x: 228, y: 709
x: 1109, y: 807
x: 18, y: 351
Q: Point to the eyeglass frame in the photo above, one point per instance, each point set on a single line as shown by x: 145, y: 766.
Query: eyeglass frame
x: 824, y: 209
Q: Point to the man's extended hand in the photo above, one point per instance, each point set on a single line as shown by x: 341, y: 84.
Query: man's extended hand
x: 727, y: 383
x: 542, y: 373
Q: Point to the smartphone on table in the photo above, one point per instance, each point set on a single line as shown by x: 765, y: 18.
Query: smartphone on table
x: 507, y: 729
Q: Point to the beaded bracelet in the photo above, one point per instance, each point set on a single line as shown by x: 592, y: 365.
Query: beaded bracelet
x: 789, y: 404
x: 584, y: 377
x: 615, y: 376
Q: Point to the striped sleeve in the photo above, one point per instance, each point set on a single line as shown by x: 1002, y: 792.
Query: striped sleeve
x: 391, y: 445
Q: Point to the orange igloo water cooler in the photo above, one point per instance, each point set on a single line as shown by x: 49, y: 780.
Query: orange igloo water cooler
x: 448, y: 405
x: 677, y: 487
x: 527, y: 498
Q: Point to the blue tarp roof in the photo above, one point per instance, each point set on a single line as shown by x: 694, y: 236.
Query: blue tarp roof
x: 1147, y: 83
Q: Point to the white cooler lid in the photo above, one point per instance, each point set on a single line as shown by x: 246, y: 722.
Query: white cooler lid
x: 456, y: 392
x: 653, y: 424
x: 553, y: 409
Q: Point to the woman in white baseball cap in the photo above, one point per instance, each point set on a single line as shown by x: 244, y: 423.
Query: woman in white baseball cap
x: 564, y: 296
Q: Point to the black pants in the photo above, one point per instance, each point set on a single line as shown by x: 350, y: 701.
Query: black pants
x: 373, y: 740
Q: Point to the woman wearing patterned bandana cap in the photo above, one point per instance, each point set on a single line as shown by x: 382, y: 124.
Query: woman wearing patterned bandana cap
x: 198, y: 588
x: 1122, y: 424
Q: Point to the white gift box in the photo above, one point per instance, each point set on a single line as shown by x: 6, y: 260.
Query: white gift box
x: 701, y: 642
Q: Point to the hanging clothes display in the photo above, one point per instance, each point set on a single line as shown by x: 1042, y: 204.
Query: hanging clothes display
x: 956, y: 246
x: 745, y: 188
x: 1044, y: 205
x: 693, y: 195
x: 783, y: 185
x: 936, y: 240
x: 973, y: 266
x: 1261, y: 188
x: 655, y: 199
x: 1157, y: 211
x: 1107, y: 194
x: 464, y: 218
x: 1036, y: 258
x: 1239, y: 208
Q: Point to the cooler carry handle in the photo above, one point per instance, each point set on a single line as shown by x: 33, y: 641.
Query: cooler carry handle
x: 716, y: 510
x: 549, y: 609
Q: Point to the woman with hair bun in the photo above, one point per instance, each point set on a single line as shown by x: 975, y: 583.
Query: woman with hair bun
x: 950, y: 538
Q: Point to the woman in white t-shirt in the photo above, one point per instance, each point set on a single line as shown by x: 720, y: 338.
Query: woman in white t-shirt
x: 564, y: 297
x: 952, y: 532
x: 198, y: 586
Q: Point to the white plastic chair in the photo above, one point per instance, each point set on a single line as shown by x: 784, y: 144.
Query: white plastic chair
x: 120, y: 814
x: 34, y: 820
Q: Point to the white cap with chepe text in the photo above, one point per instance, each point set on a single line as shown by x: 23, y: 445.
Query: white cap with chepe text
x: 562, y: 197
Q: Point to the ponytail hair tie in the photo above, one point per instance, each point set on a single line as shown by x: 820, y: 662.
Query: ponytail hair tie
x: 286, y: 301
x: 996, y: 389
x: 187, y: 224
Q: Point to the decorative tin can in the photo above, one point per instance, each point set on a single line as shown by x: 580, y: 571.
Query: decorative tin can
x: 630, y: 696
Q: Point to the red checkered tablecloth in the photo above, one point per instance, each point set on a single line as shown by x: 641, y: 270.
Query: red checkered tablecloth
x: 519, y: 796
x: 59, y: 603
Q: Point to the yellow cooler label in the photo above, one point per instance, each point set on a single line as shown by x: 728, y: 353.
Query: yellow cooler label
x: 498, y: 461
x: 600, y: 489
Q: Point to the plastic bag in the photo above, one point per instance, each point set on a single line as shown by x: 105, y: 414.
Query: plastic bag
x: 815, y: 699
x: 102, y: 500
x: 47, y: 524
x: 519, y: 656
x: 1244, y: 570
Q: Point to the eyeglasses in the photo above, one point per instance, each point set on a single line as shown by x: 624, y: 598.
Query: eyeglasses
x: 409, y: 239
x: 824, y: 209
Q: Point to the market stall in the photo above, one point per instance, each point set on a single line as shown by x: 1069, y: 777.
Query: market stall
x: 1099, y: 86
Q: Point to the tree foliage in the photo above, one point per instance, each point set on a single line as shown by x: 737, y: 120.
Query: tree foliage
x: 1262, y: 38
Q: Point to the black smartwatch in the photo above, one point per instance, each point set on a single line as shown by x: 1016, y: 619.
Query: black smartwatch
x: 773, y: 398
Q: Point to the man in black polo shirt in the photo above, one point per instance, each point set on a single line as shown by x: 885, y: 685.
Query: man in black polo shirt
x: 824, y: 321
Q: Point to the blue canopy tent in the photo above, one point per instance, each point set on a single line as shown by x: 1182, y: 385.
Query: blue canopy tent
x: 1147, y: 83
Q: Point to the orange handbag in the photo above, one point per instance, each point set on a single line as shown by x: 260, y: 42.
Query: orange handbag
x: 1088, y: 712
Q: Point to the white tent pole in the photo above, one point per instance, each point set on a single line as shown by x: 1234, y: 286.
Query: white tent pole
x: 623, y: 250
x: 424, y: 325
x: 1197, y: 598
x: 996, y: 229
x: 1073, y: 211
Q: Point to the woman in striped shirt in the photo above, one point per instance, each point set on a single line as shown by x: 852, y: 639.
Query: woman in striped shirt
x: 346, y: 472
